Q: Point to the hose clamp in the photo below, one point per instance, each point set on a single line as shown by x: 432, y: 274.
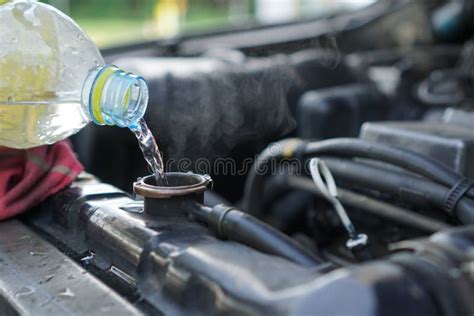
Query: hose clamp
x: 456, y: 193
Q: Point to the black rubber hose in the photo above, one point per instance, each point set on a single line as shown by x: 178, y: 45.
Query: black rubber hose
x: 373, y: 206
x: 406, y: 159
x: 406, y: 187
x: 233, y: 224
x: 253, y: 190
x: 348, y: 147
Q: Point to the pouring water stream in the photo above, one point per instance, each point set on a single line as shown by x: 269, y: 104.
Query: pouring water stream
x: 150, y: 149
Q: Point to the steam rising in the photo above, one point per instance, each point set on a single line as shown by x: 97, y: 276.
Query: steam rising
x: 205, y: 107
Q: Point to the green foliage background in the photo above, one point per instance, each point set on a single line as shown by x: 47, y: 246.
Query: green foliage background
x: 115, y: 22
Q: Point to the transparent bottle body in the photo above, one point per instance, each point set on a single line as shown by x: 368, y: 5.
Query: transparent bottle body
x: 45, y: 58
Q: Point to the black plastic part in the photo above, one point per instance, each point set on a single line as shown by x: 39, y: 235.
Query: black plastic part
x: 175, y: 264
x: 339, y: 111
x: 450, y: 144
x: 179, y: 268
x: 174, y: 207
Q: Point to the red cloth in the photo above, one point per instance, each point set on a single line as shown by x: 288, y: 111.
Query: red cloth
x: 29, y: 176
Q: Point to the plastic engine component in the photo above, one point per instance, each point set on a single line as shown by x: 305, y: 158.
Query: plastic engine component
x: 339, y: 111
x: 452, y: 145
x: 176, y: 266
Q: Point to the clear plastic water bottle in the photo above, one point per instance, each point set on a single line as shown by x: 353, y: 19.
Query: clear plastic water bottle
x: 53, y: 79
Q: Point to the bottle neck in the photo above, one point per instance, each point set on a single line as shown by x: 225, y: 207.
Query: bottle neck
x: 111, y: 96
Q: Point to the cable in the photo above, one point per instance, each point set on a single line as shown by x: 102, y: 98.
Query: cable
x: 325, y: 183
x: 370, y: 205
x: 254, y: 183
x: 406, y: 187
x: 406, y: 159
x: 233, y: 224
x: 349, y: 147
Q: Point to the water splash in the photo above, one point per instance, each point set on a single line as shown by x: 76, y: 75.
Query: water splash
x: 150, y: 149
x: 25, y: 291
x: 42, y: 264
x: 66, y: 292
x: 38, y: 253
x: 47, y: 279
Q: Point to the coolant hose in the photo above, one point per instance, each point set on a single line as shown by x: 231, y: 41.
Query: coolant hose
x: 403, y: 158
x: 347, y: 147
x: 406, y: 187
x: 260, y: 170
x: 372, y: 206
x: 232, y: 224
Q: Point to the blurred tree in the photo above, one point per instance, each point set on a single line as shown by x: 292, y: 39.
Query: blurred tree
x: 168, y: 16
x: 133, y: 5
x: 63, y: 5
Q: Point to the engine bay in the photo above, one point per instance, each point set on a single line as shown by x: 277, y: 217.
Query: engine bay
x: 374, y: 105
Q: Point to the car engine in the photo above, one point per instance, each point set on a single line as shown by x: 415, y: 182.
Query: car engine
x: 324, y: 167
